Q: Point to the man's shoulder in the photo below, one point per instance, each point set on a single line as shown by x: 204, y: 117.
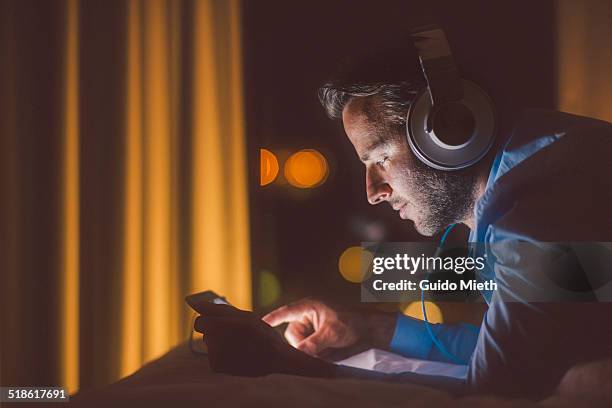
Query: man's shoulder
x: 552, y: 182
x: 535, y: 124
x: 544, y: 120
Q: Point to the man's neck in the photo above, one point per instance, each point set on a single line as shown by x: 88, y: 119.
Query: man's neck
x: 506, y: 124
x: 479, y: 189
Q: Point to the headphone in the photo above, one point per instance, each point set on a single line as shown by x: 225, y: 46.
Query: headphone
x: 451, y: 124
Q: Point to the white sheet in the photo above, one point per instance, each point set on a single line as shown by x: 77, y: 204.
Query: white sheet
x: 386, y: 362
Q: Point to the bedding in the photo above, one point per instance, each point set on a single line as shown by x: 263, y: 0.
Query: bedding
x: 182, y: 379
x: 386, y: 362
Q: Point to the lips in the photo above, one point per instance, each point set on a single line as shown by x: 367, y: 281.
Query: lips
x: 401, y: 208
x: 402, y: 211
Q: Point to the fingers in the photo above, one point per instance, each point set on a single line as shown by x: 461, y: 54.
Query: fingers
x: 287, y: 313
x: 296, y: 332
x: 202, y: 324
x: 313, y: 344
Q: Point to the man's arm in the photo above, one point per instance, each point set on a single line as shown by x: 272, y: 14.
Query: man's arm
x: 315, y: 326
x: 411, y: 339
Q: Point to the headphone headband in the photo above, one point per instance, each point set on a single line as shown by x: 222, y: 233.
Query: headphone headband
x: 438, y: 65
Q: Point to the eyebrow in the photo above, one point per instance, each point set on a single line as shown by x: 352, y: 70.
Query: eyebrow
x: 373, y: 146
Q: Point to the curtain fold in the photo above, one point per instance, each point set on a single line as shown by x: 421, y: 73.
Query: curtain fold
x: 584, y: 57
x: 124, y: 181
x: 69, y: 314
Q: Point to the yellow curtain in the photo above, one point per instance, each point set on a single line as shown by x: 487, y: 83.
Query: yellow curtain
x: 584, y: 57
x: 130, y: 193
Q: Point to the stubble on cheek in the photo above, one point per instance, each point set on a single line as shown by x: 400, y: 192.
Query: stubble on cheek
x: 408, y: 192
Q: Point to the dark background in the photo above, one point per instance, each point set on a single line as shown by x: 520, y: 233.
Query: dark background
x: 291, y: 48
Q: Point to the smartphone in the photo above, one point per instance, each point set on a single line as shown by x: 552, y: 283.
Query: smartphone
x: 196, y: 345
x: 206, y: 296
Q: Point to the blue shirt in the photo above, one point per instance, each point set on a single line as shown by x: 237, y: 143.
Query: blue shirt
x: 545, y: 185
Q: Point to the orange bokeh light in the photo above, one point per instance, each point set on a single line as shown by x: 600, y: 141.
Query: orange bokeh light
x: 353, y: 264
x: 306, y: 169
x: 414, y: 309
x: 269, y: 167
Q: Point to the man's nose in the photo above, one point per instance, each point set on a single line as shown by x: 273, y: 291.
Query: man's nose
x: 377, y: 189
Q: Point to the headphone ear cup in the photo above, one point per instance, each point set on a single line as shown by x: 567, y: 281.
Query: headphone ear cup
x: 432, y: 150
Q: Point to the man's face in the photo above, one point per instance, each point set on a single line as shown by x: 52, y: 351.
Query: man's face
x: 431, y: 199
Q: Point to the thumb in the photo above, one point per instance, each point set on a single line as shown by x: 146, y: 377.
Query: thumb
x: 313, y: 344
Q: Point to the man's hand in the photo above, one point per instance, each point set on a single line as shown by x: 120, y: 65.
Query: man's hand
x: 239, y: 343
x: 315, y: 326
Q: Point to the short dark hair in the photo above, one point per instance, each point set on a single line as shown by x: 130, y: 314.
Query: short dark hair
x: 392, y: 76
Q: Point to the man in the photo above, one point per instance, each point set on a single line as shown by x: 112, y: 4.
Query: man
x: 545, y: 180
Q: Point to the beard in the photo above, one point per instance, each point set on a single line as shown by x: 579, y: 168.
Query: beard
x: 444, y: 197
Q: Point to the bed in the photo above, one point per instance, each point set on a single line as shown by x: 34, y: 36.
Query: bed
x: 182, y: 379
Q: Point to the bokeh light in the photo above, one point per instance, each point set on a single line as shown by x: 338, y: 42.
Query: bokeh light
x: 351, y: 261
x: 269, y: 288
x: 268, y: 167
x: 413, y: 309
x: 306, y: 169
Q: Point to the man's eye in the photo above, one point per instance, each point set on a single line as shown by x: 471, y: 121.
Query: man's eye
x: 382, y: 162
